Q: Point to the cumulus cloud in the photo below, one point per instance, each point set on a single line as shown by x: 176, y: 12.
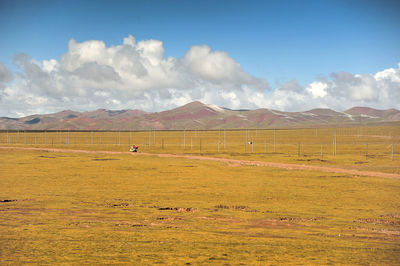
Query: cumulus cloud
x: 218, y: 68
x: 131, y: 75
x: 5, y: 78
x: 135, y: 74
x: 5, y: 75
x: 317, y: 89
x: 339, y: 91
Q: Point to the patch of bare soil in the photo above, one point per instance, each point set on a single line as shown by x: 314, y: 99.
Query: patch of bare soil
x: 299, y: 219
x: 236, y: 207
x: 377, y: 221
x: 8, y: 200
x: 178, y: 209
x: 229, y: 161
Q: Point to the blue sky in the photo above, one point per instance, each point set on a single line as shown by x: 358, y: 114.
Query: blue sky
x: 273, y: 40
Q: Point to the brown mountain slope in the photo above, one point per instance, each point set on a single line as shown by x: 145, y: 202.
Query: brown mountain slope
x: 197, y: 115
x: 390, y: 114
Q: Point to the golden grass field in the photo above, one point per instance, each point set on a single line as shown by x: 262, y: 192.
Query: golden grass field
x: 99, y: 208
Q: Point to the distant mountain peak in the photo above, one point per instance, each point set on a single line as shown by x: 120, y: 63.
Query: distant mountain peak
x: 198, y: 115
x: 322, y: 111
x: 215, y: 108
x: 371, y: 112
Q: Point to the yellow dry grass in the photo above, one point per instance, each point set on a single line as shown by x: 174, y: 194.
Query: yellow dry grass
x: 70, y: 208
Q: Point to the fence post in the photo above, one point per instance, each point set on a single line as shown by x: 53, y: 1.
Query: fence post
x: 334, y: 143
x: 366, y: 151
x: 322, y: 155
x: 265, y: 146
x: 333, y: 147
x: 219, y: 138
x: 224, y: 139
x: 392, y: 151
x: 149, y: 139
x: 298, y: 149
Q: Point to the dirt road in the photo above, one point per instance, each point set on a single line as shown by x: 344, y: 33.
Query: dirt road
x: 228, y: 161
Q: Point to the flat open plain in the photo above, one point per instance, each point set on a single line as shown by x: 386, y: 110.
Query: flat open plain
x: 60, y: 206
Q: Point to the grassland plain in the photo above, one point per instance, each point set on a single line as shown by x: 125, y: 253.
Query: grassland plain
x: 363, y: 148
x: 77, y: 208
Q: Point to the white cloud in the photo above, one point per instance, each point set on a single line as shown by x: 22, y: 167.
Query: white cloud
x: 317, y: 89
x: 131, y: 75
x: 216, y: 67
x: 341, y: 91
x: 391, y: 74
x: 50, y: 65
x: 134, y: 74
x: 5, y: 77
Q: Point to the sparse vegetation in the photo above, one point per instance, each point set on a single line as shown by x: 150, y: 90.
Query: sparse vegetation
x: 90, y: 208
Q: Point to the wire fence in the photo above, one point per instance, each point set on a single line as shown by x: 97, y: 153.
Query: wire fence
x: 365, y: 141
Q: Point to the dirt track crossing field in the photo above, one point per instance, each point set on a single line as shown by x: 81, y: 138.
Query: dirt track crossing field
x: 230, y: 161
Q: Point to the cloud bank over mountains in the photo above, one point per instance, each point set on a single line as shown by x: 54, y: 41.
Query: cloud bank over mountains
x: 137, y: 75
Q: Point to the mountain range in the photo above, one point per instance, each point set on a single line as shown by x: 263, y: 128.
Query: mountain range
x: 197, y: 115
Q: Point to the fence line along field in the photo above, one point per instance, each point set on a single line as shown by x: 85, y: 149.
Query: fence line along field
x: 361, y: 147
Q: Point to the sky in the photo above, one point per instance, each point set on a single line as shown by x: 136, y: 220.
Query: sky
x: 287, y: 55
